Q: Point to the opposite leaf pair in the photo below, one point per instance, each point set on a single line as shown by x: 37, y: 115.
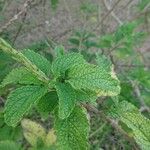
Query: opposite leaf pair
x: 77, y: 80
x: 73, y: 80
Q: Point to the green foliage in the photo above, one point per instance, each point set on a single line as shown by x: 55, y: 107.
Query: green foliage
x: 7, y: 132
x: 41, y: 62
x: 33, y: 132
x: 20, y: 101
x: 6, y: 64
x: 74, y: 80
x: 143, y: 3
x: 93, y: 78
x: 20, y: 75
x: 36, y: 135
x: 67, y: 99
x: 48, y: 103
x: 140, y: 125
x: 63, y: 88
x: 61, y: 85
x: 8, y: 145
x: 61, y: 64
x: 72, y: 132
x: 54, y: 3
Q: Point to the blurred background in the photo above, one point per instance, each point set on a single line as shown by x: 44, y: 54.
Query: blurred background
x: 119, y: 29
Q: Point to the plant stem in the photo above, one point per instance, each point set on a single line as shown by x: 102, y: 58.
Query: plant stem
x: 18, y: 56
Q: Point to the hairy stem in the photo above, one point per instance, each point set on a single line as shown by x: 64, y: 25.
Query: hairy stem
x: 18, y: 56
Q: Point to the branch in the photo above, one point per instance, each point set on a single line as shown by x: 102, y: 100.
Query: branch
x: 105, y: 16
x: 16, y: 16
x: 113, y: 123
x: 112, y: 13
x: 137, y: 92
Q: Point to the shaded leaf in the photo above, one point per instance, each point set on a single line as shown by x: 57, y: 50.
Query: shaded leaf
x: 48, y: 102
x: 72, y: 132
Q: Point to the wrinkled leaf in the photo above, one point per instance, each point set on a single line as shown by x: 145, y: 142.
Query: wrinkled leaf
x: 20, y: 75
x: 67, y: 99
x: 72, y: 132
x: 20, y: 101
x: 140, y: 125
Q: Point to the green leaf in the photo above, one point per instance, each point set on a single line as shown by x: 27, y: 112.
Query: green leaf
x: 103, y: 62
x: 8, y: 145
x: 67, y: 99
x: 59, y: 50
x: 72, y: 132
x: 143, y: 3
x: 33, y: 131
x: 54, y: 3
x: 93, y: 78
x: 125, y: 31
x: 106, y: 41
x: 41, y: 62
x: 48, y: 102
x: 86, y: 96
x: 140, y: 125
x: 20, y: 75
x: 75, y: 41
x: 61, y: 64
x: 20, y: 101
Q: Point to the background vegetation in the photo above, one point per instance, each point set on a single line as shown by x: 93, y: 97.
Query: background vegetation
x: 118, y: 29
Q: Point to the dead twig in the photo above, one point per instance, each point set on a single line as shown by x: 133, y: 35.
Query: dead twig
x: 16, y: 16
x: 112, y: 13
x: 107, y: 14
x: 20, y: 28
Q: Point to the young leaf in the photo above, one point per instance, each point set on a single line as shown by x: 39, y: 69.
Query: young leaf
x: 63, y: 63
x: 20, y: 75
x: 140, y: 126
x: 50, y: 138
x: 33, y: 131
x: 72, y: 132
x: 20, y: 101
x: 48, y: 102
x: 93, y: 78
x: 67, y: 99
x: 41, y: 62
